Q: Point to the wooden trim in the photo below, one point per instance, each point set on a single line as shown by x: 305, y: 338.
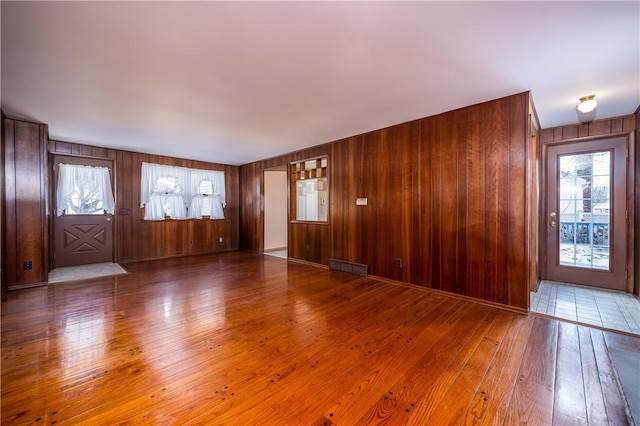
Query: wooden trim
x: 44, y: 196
x: 173, y: 256
x: 586, y: 138
x: 632, y: 222
x: 275, y: 249
x: 296, y: 173
x: 306, y: 262
x: 309, y: 222
x: 501, y: 306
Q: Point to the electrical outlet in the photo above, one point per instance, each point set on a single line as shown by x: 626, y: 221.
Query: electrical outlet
x: 220, y: 240
x: 28, y: 265
x: 308, y: 247
x: 398, y: 263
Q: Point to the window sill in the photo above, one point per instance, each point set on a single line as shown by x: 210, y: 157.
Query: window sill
x: 310, y: 222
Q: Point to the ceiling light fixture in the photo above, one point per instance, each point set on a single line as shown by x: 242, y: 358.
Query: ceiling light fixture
x: 587, y: 109
x: 587, y: 103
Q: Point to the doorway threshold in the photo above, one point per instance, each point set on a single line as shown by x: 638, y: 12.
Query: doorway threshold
x: 610, y: 309
x: 83, y: 272
x: 278, y: 252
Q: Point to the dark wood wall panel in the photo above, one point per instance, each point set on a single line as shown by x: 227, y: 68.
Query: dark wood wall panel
x: 3, y: 214
x: 447, y: 202
x: 374, y: 157
x: 476, y: 202
x: 449, y: 195
x: 25, y: 206
x: 250, y: 207
x: 518, y: 235
x: 636, y: 204
x: 626, y: 124
x: 348, y: 219
x: 461, y: 286
x: 9, y: 230
x: 426, y: 218
x: 137, y: 239
x: 496, y: 160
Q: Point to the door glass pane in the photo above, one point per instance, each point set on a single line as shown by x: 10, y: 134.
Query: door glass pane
x: 584, y: 204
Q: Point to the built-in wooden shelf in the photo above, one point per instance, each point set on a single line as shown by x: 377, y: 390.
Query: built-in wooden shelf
x: 309, y: 169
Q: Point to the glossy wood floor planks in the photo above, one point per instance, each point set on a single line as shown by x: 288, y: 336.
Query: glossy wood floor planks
x: 239, y: 339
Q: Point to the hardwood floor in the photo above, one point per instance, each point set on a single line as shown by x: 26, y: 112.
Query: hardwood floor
x: 241, y: 339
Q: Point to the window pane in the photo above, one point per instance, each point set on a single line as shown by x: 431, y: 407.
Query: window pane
x: 584, y: 188
x: 310, y: 190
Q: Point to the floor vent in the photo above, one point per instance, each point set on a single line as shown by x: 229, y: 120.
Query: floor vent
x: 352, y: 268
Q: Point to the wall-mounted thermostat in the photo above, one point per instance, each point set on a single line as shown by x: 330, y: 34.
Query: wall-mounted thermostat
x: 362, y: 201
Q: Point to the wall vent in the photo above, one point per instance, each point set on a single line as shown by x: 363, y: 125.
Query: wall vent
x: 352, y: 268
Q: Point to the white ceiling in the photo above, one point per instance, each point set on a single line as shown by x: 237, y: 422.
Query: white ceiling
x: 235, y: 82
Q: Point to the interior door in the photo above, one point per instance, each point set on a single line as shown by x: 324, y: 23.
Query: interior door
x: 83, y: 236
x: 586, y: 213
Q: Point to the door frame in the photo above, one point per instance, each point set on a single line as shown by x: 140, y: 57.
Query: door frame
x: 263, y: 194
x: 84, y: 160
x: 630, y: 197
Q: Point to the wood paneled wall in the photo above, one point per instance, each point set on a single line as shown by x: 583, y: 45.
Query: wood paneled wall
x: 617, y: 125
x: 3, y: 282
x: 629, y: 125
x: 252, y: 209
x: 137, y: 239
x: 449, y: 195
x: 636, y: 206
x: 25, y: 234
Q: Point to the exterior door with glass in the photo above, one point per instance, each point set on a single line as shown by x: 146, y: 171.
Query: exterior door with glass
x: 83, y: 217
x: 586, y: 213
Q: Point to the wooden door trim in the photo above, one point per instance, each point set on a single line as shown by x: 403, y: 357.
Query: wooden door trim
x: 285, y: 169
x: 630, y: 194
x: 76, y: 159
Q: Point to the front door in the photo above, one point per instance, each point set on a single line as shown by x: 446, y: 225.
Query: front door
x: 83, y: 230
x: 586, y: 213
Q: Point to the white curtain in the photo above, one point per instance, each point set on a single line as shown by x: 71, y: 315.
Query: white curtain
x: 169, y: 190
x: 163, y: 191
x: 216, y: 198
x: 83, y: 190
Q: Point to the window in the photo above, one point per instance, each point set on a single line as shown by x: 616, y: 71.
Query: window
x: 204, y: 202
x: 205, y: 189
x: 310, y: 190
x: 167, y: 195
x: 83, y: 190
x: 181, y: 193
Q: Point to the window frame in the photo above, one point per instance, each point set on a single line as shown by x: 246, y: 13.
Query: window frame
x: 299, y: 172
